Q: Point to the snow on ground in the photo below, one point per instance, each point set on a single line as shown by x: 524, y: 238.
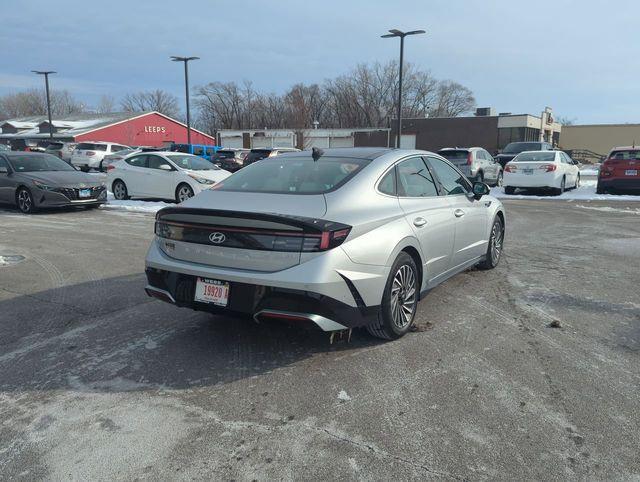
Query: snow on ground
x: 609, y: 209
x: 134, y: 206
x: 589, y: 171
x: 586, y: 192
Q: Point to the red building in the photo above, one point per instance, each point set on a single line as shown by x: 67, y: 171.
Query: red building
x: 129, y: 128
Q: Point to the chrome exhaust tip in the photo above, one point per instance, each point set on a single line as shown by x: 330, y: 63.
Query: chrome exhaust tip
x: 325, y: 324
x: 162, y: 295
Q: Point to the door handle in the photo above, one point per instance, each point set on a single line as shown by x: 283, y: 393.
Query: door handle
x: 458, y: 213
x: 419, y: 222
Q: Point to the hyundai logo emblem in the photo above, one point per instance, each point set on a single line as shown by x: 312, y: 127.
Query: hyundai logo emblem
x: 217, y: 238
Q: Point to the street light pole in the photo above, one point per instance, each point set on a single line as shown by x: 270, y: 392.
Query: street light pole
x: 46, y: 84
x: 397, y: 33
x: 186, y: 88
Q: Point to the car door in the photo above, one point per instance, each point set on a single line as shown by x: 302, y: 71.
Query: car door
x: 571, y: 168
x: 471, y: 233
x: 134, y: 175
x: 7, y: 187
x: 428, y: 214
x: 492, y: 166
x: 159, y: 182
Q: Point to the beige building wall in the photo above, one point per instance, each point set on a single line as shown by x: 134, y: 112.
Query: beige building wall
x: 600, y: 138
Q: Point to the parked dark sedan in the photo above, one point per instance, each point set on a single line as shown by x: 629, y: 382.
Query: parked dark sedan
x: 515, y: 148
x: 33, y: 180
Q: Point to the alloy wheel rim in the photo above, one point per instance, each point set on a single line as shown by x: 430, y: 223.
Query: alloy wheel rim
x: 24, y: 201
x: 184, y: 193
x: 500, y: 180
x: 119, y: 191
x: 497, y: 235
x: 403, y: 296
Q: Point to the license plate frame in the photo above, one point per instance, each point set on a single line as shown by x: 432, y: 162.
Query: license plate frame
x: 212, y: 291
x: 527, y: 171
x: 84, y: 193
x: 631, y: 172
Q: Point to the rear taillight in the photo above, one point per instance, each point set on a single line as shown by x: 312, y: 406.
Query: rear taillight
x: 332, y: 239
x: 469, y: 158
x: 548, y: 167
x: 510, y: 168
x: 110, y: 167
x: 90, y: 153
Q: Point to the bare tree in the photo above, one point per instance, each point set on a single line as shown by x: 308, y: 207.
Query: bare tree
x: 107, y: 105
x: 152, y: 100
x: 33, y: 102
x: 453, y: 99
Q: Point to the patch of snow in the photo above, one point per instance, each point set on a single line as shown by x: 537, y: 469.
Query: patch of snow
x: 591, y: 171
x: 342, y: 396
x: 134, y: 206
x: 609, y: 209
x: 586, y: 192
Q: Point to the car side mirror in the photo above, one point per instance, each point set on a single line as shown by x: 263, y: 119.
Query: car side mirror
x: 480, y: 189
x: 166, y: 167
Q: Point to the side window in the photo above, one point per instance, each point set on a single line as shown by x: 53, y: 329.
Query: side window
x: 388, y: 183
x: 452, y: 181
x: 414, y: 179
x: 564, y: 158
x: 198, y: 151
x: 4, y: 163
x: 154, y: 162
x: 137, y: 161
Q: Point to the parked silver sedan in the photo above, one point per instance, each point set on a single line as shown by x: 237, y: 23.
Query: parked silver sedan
x: 336, y: 239
x: 32, y: 180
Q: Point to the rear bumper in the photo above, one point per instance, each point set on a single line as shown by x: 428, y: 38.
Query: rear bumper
x: 263, y: 303
x: 622, y: 184
x: 540, y: 181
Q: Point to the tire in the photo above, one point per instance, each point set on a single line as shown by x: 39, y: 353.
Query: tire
x: 496, y: 244
x: 509, y: 189
x: 500, y: 179
x: 601, y: 190
x: 577, y: 182
x: 563, y: 186
x: 480, y: 176
x: 24, y: 201
x: 183, y: 192
x: 120, y: 191
x: 101, y: 168
x: 395, y: 320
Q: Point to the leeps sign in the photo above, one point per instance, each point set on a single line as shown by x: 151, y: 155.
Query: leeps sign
x: 155, y: 129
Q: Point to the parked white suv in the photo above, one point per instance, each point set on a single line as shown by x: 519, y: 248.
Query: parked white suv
x: 88, y: 155
x: 475, y: 163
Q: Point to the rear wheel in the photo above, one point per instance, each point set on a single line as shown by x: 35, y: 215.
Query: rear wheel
x: 509, y: 189
x: 577, y: 182
x: 601, y: 190
x: 120, y: 190
x: 24, y: 200
x: 494, y: 249
x: 563, y: 186
x: 183, y: 192
x: 399, y: 301
x: 499, y: 181
x: 480, y: 176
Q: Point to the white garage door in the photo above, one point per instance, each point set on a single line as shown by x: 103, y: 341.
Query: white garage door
x: 341, y: 142
x: 408, y: 141
x: 231, y: 142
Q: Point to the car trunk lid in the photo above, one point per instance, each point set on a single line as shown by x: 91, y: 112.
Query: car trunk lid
x: 259, y: 232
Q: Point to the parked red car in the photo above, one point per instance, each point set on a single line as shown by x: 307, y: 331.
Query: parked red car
x: 620, y: 171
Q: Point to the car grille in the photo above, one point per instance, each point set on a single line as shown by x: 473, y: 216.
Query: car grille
x: 73, y: 194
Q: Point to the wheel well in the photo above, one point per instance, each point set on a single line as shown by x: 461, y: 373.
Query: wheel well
x: 413, y: 252
x: 116, y: 180
x: 183, y: 183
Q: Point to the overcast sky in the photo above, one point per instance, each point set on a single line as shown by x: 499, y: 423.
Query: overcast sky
x: 579, y: 57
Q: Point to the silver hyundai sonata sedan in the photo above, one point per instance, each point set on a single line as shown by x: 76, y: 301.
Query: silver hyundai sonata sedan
x: 336, y: 239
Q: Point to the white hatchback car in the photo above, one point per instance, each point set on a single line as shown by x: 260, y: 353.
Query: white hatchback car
x: 162, y: 175
x: 553, y: 170
x: 88, y: 155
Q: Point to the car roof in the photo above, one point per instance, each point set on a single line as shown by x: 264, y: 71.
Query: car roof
x: 626, y: 148
x: 459, y: 148
x: 369, y: 153
x: 24, y: 153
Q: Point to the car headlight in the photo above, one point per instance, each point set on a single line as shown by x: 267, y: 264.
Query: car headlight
x: 43, y: 186
x: 202, y: 180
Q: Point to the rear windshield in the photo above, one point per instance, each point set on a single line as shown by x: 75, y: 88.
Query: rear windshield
x: 454, y: 155
x: 257, y: 154
x: 518, y: 147
x: 195, y: 163
x: 86, y: 146
x: 44, y: 162
x: 625, y: 155
x: 225, y: 155
x: 544, y: 156
x: 294, y: 175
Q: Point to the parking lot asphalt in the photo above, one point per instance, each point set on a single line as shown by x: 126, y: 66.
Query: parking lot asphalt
x: 97, y: 381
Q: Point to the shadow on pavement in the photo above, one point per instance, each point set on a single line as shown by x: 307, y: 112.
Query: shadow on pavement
x: 107, y: 335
